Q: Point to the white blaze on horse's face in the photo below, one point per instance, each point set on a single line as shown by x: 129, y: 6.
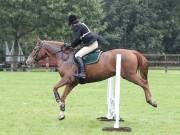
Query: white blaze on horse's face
x: 30, y: 60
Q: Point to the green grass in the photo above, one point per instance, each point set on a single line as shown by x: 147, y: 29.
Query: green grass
x: 27, y: 106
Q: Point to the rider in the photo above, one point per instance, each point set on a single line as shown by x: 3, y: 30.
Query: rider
x: 82, y: 34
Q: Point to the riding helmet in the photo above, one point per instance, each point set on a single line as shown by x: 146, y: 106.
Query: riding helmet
x: 73, y: 19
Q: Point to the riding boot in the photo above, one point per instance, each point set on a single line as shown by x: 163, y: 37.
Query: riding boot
x: 81, y: 72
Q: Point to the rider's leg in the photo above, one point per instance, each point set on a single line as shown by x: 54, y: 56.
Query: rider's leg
x: 82, y: 52
x: 81, y: 72
x: 87, y: 49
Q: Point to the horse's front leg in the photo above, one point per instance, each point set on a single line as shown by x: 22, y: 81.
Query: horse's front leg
x: 56, y: 94
x: 67, y: 90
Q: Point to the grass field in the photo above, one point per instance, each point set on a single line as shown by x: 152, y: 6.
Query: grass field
x: 27, y: 106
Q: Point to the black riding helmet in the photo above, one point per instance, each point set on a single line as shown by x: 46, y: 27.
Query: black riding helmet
x: 73, y: 19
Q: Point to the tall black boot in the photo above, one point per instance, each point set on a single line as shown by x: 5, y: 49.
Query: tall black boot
x: 81, y: 72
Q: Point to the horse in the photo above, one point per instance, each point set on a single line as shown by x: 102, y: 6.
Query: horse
x: 134, y: 68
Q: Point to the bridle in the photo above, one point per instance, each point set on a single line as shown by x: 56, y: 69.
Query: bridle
x: 36, y: 50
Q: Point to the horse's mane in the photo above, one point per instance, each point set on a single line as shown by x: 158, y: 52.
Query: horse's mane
x: 50, y: 42
x: 54, y: 42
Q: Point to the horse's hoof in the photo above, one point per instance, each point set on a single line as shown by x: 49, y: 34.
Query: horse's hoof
x: 61, y: 117
x: 153, y: 103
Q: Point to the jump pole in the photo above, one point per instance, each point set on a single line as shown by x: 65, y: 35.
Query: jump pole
x: 110, y: 116
x: 117, y: 90
x: 116, y: 126
x: 110, y: 100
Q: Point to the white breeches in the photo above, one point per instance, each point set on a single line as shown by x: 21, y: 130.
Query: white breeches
x: 87, y: 49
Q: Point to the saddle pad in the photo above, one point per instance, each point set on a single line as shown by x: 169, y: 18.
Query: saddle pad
x: 92, y: 58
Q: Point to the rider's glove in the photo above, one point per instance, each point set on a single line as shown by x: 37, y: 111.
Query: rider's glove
x: 67, y: 45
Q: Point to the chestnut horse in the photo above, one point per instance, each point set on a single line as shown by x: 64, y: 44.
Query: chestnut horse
x: 132, y: 63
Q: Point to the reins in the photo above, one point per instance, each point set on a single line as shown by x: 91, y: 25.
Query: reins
x: 62, y: 50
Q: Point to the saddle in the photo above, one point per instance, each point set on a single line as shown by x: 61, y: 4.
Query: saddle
x: 92, y: 57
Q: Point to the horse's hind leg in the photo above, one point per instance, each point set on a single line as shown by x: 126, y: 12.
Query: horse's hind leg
x: 144, y: 84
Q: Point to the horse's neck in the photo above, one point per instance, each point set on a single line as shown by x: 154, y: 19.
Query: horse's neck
x: 51, y: 51
x: 59, y: 56
x: 52, y: 48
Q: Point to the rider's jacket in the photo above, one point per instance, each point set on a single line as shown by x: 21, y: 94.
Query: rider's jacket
x: 82, y: 34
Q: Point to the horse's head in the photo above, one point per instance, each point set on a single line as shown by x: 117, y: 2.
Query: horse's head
x: 45, y: 48
x: 37, y: 54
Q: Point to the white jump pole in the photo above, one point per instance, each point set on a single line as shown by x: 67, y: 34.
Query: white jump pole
x: 117, y: 90
x: 110, y: 98
x: 114, y: 99
x: 110, y: 102
x: 111, y: 114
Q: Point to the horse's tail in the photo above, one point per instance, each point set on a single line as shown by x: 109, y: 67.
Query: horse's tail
x: 143, y: 65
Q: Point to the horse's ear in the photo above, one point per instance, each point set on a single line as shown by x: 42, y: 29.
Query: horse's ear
x: 38, y: 40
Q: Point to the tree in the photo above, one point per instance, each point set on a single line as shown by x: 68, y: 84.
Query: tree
x: 144, y: 25
x: 17, y: 19
x: 23, y: 20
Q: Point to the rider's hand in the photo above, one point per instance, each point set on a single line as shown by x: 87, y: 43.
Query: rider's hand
x: 67, y: 45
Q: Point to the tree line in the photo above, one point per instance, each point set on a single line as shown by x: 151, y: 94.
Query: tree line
x: 150, y: 26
